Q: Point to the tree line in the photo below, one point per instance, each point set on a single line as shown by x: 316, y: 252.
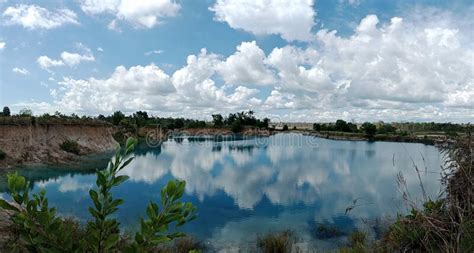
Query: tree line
x: 235, y: 121
x: 370, y: 129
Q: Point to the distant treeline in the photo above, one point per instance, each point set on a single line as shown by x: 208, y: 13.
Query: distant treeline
x: 235, y: 121
x: 406, y: 128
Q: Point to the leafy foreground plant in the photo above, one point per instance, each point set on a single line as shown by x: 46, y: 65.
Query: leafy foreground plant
x: 39, y: 229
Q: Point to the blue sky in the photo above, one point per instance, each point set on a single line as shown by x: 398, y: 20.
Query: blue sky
x: 388, y: 60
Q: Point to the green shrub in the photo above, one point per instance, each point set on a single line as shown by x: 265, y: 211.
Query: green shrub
x: 277, y: 243
x: 3, y: 155
x: 237, y: 126
x: 119, y: 137
x: 358, y: 240
x: 70, y: 146
x: 39, y: 229
x: 183, y: 245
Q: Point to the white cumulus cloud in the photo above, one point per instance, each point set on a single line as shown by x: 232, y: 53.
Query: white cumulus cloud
x: 403, y: 69
x: 246, y: 66
x: 140, y: 14
x: 46, y: 63
x: 36, y: 17
x: 292, y: 20
x: 67, y: 58
x: 72, y: 59
x: 21, y: 71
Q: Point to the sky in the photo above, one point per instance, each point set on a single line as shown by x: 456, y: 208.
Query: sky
x: 293, y: 60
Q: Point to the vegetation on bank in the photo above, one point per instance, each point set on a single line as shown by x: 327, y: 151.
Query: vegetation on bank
x: 444, y: 224
x: 427, y: 133
x: 38, y: 228
x: 70, y: 146
x: 237, y: 122
x: 402, y: 129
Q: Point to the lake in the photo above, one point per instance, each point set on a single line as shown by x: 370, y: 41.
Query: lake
x: 254, y: 186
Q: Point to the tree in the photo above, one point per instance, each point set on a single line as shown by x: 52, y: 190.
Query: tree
x: 263, y: 123
x: 386, y: 128
x: 317, y: 127
x: 341, y: 125
x: 26, y: 112
x: 6, y: 111
x: 351, y: 127
x: 285, y: 127
x: 218, y: 120
x: 117, y: 117
x: 141, y: 118
x: 369, y: 129
x: 237, y: 126
x: 179, y: 123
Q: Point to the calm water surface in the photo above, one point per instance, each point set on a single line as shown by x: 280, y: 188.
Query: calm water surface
x: 249, y: 187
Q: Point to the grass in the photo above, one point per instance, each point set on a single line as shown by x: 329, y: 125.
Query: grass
x: 70, y: 146
x: 357, y: 243
x: 277, y: 243
x: 358, y: 239
x: 183, y: 245
x: 445, y: 224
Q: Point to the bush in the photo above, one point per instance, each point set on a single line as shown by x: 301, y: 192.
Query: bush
x: 70, y: 146
x: 369, y: 129
x: 277, y: 243
x: 40, y: 229
x: 3, y: 155
x: 317, y: 127
x: 445, y: 224
x: 183, y: 245
x: 358, y: 239
x: 119, y: 137
x: 117, y: 117
x: 6, y: 111
x: 236, y: 126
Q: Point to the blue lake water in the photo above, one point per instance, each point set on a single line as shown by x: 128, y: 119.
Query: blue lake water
x: 249, y: 187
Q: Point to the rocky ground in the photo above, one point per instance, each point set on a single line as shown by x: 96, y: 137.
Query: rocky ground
x: 39, y: 144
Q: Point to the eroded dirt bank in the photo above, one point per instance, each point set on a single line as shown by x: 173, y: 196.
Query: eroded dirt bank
x: 35, y: 144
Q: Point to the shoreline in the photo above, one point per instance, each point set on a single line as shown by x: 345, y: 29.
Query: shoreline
x: 340, y: 136
x: 39, y: 144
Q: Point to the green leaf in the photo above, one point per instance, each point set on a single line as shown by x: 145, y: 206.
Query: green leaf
x: 16, y: 182
x: 94, y: 213
x: 160, y: 239
x: 112, y: 241
x: 120, y: 179
x: 95, y: 198
x: 150, y: 212
x: 116, y: 202
x: 129, y: 160
x: 130, y: 145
